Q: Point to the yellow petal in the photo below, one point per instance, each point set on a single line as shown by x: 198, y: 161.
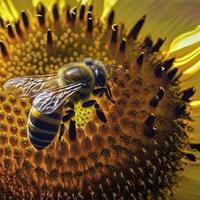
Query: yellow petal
x: 21, y: 4
x: 186, y: 49
x: 47, y: 3
x: 98, y: 6
x: 164, y: 18
x: 189, y: 184
x: 8, y: 11
x: 185, y: 40
x: 108, y: 4
x: 62, y: 3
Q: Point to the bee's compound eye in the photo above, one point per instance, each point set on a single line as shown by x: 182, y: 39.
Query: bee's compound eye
x: 88, y: 61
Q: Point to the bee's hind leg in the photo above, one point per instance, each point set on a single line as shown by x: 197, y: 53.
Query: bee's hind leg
x: 100, y: 114
x: 72, y: 130
x: 68, y: 113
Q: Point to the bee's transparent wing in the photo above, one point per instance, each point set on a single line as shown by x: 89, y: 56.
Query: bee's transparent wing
x: 30, y: 86
x: 48, y: 101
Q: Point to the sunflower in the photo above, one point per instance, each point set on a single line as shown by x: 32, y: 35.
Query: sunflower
x: 144, y: 144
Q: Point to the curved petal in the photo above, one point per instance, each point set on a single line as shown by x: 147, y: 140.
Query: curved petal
x: 164, y: 18
x: 98, y: 6
x: 8, y: 10
x: 108, y: 4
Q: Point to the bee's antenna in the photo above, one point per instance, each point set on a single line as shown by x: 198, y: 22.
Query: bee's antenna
x: 117, y: 67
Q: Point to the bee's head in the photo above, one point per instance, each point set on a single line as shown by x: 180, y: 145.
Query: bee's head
x: 98, y: 69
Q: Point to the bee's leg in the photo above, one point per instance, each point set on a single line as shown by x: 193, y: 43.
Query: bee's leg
x: 108, y: 94
x: 69, y: 113
x: 89, y: 103
x: 61, y: 132
x: 100, y: 114
x: 109, y: 90
x: 72, y: 130
x: 103, y: 90
x: 70, y: 105
x: 98, y: 92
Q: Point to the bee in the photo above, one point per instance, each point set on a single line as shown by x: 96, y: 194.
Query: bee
x: 49, y: 93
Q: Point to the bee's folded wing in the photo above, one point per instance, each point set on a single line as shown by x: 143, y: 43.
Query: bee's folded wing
x: 30, y: 86
x: 48, y: 101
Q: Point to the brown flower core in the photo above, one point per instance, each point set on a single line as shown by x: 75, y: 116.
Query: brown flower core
x: 134, y: 155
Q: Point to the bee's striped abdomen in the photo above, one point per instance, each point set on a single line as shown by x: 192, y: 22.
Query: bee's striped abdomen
x: 43, y: 128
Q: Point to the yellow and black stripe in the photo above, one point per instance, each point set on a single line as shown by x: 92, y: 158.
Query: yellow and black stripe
x: 42, y: 128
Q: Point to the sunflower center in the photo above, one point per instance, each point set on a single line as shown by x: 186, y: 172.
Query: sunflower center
x: 134, y: 155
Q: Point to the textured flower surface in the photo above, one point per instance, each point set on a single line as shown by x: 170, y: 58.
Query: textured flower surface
x: 140, y: 148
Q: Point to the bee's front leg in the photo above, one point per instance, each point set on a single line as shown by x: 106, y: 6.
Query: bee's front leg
x: 100, y: 114
x: 104, y: 90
